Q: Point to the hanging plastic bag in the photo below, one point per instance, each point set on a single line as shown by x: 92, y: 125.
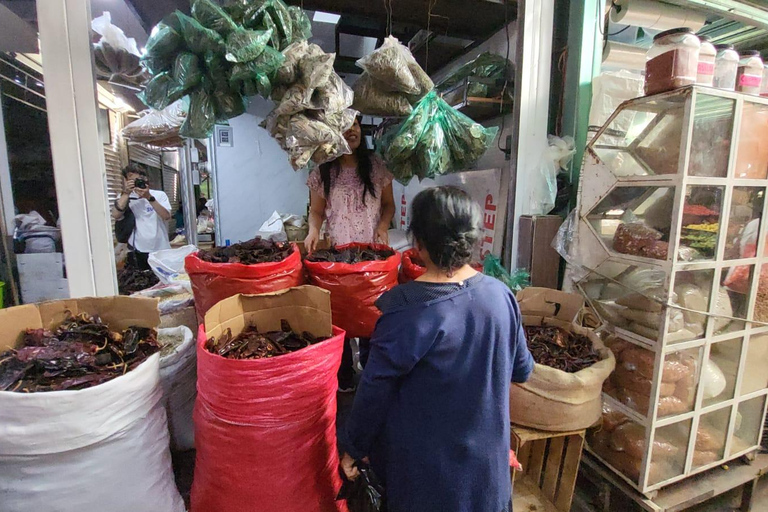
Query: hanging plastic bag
x: 265, y: 429
x: 178, y: 378
x: 486, y: 65
x: 270, y: 14
x: 302, y: 25
x: 389, y: 65
x: 213, y: 282
x: 168, y: 265
x: 355, y: 288
x: 160, y: 91
x: 158, y: 127
x: 116, y: 56
x: 366, y: 494
x: 245, y: 45
x: 201, y: 118
x: 199, y: 39
x: 334, y: 96
x: 370, y: 99
x: 213, y: 17
x: 186, y: 72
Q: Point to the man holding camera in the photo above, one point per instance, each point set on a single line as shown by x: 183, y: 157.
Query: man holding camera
x: 151, y: 210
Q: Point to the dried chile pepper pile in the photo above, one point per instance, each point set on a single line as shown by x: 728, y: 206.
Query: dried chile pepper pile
x: 350, y: 255
x: 251, y: 252
x: 557, y: 348
x: 252, y: 344
x: 81, y: 353
x: 131, y: 280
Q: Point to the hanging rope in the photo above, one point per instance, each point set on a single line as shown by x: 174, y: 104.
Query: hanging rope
x: 388, y: 9
x: 432, y: 4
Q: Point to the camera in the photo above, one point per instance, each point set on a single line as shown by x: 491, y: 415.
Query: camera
x: 140, y: 183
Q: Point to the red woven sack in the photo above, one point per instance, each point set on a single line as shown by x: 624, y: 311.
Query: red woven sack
x: 265, y: 431
x: 355, y: 288
x: 214, y: 282
x: 410, y: 270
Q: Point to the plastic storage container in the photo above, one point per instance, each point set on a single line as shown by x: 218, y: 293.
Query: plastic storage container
x: 672, y: 61
x: 726, y: 67
x: 706, y: 69
x: 764, y: 86
x: 749, y: 77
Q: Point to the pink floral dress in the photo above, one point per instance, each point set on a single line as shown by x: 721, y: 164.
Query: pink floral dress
x: 348, y: 219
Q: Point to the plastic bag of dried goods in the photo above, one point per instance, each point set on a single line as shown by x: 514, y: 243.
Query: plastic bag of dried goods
x: 186, y: 72
x: 270, y: 14
x: 158, y: 127
x: 389, y: 64
x: 340, y: 121
x: 289, y: 70
x: 227, y: 103
x: 213, y: 17
x: 485, y: 65
x: 515, y: 280
x: 370, y: 99
x: 245, y: 45
x: 178, y: 377
x: 302, y: 26
x: 467, y: 139
x: 198, y: 38
x: 201, y: 118
x: 334, y: 96
x: 161, y: 48
x: 160, y: 91
x: 116, y: 56
x: 315, y: 69
x: 355, y: 288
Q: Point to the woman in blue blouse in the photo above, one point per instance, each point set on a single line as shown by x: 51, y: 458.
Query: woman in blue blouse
x: 432, y: 409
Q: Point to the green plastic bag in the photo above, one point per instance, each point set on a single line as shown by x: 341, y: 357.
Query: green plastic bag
x: 302, y: 26
x: 213, y: 17
x: 515, y: 281
x: 201, y: 117
x: 199, y: 39
x: 250, y: 80
x: 186, y: 72
x: 160, y: 91
x: 227, y: 103
x: 245, y: 45
x: 486, y: 65
x: 271, y: 14
x: 161, y: 48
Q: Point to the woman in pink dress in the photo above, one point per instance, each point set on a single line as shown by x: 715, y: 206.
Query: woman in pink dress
x: 354, y: 195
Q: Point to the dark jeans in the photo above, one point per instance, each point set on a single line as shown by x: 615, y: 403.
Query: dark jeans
x: 140, y: 259
x: 347, y: 369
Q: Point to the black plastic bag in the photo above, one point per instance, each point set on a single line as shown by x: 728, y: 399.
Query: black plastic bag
x: 366, y: 494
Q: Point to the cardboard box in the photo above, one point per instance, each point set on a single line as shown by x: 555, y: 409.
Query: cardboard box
x: 306, y: 308
x: 117, y: 312
x: 537, y: 304
x: 535, y: 251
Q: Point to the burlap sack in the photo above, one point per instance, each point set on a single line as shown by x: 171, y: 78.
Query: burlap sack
x: 552, y: 399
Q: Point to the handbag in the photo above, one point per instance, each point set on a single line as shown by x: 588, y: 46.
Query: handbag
x: 124, y: 227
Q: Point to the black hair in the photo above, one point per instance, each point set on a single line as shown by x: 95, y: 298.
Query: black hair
x: 448, y: 224
x: 364, y: 171
x: 135, y: 169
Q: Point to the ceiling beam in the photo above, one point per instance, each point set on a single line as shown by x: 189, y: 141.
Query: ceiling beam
x: 731, y: 9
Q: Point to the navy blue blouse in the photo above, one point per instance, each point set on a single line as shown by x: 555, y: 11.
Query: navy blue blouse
x: 432, y: 409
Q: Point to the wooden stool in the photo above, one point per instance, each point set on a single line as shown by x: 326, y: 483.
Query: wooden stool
x: 550, y: 463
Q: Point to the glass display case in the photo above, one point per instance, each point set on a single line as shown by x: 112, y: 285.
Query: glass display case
x: 671, y: 216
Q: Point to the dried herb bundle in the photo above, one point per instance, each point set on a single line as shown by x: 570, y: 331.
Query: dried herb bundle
x: 131, y: 280
x: 81, y: 353
x: 351, y: 255
x: 251, y: 252
x: 252, y: 344
x: 557, y: 348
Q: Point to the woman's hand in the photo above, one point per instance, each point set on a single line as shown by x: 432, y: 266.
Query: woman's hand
x: 382, y: 235
x: 310, y: 243
x: 348, y: 466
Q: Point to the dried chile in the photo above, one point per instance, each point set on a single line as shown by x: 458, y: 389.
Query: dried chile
x: 557, y: 348
x: 252, y: 344
x: 350, y: 255
x: 131, y: 280
x: 251, y: 252
x: 82, y: 352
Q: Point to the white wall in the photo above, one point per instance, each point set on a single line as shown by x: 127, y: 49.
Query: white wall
x: 254, y: 178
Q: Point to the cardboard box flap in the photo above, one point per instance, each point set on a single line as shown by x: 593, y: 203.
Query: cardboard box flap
x: 306, y: 308
x: 117, y: 312
x: 549, y: 303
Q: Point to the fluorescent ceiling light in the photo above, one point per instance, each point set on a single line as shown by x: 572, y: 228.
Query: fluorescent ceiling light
x: 326, y: 17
